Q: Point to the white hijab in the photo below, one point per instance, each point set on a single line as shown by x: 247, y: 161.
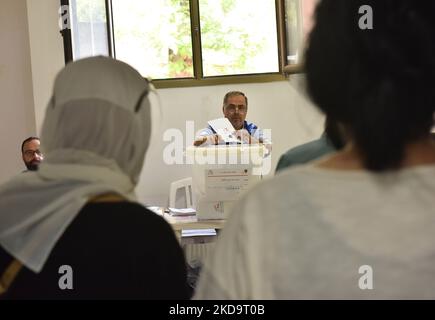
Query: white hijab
x: 95, y: 135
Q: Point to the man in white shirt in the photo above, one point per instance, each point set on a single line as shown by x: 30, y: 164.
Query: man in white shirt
x: 235, y: 108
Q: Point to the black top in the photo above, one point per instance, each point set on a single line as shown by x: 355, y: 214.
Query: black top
x: 117, y: 250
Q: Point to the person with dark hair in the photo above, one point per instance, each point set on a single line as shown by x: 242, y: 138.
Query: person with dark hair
x: 330, y: 141
x: 31, y: 154
x: 360, y: 223
x: 74, y: 229
x: 234, y: 108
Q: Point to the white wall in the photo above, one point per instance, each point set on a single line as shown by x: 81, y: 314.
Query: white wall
x: 17, y: 117
x: 277, y: 105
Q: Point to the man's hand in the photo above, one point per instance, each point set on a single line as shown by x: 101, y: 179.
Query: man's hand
x: 199, y: 141
x: 244, y: 136
x: 212, y: 139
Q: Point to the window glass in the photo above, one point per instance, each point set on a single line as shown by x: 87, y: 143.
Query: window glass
x: 238, y: 37
x: 89, y: 28
x: 299, y: 21
x: 157, y: 31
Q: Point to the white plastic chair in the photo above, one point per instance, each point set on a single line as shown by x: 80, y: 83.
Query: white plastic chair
x: 185, y: 184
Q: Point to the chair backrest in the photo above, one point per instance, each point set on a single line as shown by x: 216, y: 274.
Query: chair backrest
x: 185, y: 184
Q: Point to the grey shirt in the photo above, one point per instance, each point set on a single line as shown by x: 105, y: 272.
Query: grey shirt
x: 310, y: 233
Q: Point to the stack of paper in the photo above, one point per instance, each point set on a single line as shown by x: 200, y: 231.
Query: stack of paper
x: 182, y: 212
x: 198, y: 232
x: 180, y: 219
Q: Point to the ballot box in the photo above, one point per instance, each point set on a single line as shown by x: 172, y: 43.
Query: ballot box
x: 222, y: 174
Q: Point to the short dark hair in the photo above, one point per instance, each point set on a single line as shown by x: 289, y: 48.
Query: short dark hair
x: 378, y: 83
x: 27, y: 140
x: 235, y: 93
x: 334, y: 134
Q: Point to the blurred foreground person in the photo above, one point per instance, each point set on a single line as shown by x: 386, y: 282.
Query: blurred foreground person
x: 72, y: 230
x: 359, y: 224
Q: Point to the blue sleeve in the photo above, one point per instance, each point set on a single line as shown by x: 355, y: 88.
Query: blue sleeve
x: 206, y: 132
x: 260, y: 135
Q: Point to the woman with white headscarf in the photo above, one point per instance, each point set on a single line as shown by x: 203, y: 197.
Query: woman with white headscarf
x: 72, y: 229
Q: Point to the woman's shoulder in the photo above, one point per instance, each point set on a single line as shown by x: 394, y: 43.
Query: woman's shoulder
x: 120, y: 207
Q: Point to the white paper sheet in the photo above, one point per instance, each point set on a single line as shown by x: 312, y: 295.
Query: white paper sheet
x: 225, y: 129
x: 226, y: 184
x: 155, y: 209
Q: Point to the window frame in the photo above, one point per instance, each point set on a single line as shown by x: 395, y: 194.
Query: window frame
x: 198, y: 79
x: 295, y: 68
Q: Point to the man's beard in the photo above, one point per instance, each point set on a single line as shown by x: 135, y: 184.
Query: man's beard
x: 237, y: 124
x: 32, y: 166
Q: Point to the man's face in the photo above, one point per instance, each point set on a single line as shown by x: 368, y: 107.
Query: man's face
x: 32, y: 157
x: 235, y: 110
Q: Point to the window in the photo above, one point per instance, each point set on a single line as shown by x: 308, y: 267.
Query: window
x: 89, y: 28
x: 298, y: 24
x: 190, y: 42
x: 238, y: 37
x: 157, y: 31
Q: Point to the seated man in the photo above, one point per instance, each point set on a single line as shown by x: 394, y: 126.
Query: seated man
x: 31, y: 154
x: 235, y: 108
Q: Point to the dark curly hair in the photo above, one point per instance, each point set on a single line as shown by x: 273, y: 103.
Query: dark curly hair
x: 379, y: 83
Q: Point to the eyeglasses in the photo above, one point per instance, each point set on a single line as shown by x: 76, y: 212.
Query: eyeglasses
x: 232, y: 108
x: 32, y: 153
